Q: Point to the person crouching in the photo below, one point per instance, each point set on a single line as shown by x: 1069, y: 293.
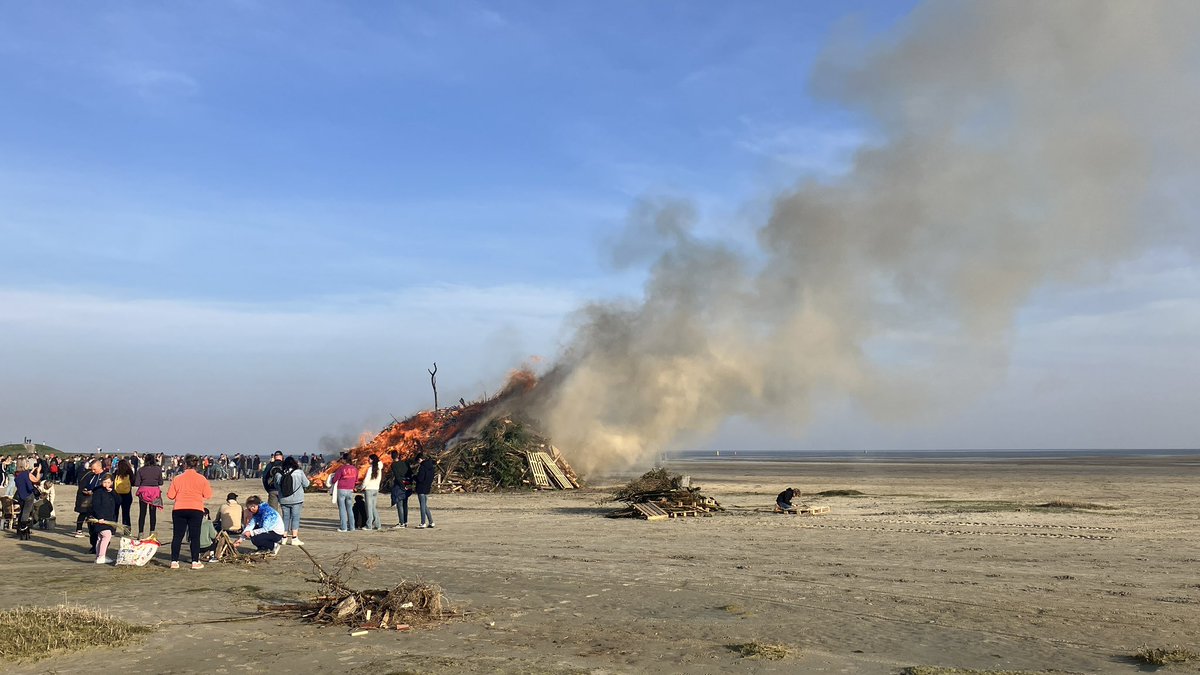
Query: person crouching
x: 784, y: 501
x: 265, y: 527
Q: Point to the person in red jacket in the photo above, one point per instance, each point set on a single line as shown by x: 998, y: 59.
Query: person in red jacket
x: 343, y: 481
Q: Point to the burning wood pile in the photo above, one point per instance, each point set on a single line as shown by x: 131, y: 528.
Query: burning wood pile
x: 482, y: 446
x: 401, y: 607
x: 659, y: 495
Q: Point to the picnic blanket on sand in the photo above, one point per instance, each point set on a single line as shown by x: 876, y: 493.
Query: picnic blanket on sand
x: 136, y: 552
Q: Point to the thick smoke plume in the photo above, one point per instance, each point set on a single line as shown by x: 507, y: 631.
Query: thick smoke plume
x: 1020, y: 145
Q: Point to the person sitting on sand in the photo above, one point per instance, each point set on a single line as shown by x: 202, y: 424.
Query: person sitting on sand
x: 229, y: 516
x: 265, y: 527
x: 784, y: 500
x: 208, y: 537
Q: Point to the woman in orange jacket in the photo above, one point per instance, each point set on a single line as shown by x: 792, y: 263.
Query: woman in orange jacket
x: 189, y: 491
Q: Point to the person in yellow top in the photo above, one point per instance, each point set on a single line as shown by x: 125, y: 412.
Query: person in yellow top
x: 189, y: 491
x: 123, y: 489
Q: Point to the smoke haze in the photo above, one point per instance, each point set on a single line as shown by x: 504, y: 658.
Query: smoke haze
x: 1020, y: 145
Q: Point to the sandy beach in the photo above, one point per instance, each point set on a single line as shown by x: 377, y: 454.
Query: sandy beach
x: 936, y: 563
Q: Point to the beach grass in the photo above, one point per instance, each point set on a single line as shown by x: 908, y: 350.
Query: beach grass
x: 36, y: 632
x: 976, y: 506
x: 941, y: 670
x: 1071, y: 505
x: 841, y: 493
x: 1165, y: 656
x: 762, y: 650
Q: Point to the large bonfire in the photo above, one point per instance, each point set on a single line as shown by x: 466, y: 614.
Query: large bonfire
x: 479, y: 446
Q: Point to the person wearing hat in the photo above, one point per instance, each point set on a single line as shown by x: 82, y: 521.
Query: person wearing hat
x: 229, y: 516
x: 270, y: 479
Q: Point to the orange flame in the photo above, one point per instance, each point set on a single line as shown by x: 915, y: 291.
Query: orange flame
x: 428, y: 429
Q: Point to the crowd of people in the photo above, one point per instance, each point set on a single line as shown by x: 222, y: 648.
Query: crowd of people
x: 107, y: 486
x: 68, y: 470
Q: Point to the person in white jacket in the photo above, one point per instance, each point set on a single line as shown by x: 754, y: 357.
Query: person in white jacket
x: 370, y: 486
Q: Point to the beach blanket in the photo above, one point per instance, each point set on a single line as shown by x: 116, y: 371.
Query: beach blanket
x: 136, y: 552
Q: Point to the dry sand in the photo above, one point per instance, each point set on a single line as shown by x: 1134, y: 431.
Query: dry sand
x: 940, y: 563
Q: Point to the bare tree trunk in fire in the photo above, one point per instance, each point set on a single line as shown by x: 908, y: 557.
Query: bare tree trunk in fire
x: 433, y: 382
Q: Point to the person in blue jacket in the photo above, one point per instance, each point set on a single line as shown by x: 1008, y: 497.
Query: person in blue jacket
x: 265, y: 528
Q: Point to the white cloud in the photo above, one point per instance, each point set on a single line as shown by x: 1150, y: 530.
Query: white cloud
x: 806, y: 148
x: 154, y: 83
x: 115, y: 371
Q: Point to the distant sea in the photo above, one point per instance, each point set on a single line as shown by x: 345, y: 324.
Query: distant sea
x: 927, y: 455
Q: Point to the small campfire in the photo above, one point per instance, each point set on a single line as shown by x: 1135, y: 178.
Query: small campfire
x: 659, y: 495
x: 482, y: 446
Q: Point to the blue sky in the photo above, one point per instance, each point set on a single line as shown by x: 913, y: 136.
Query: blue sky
x: 246, y: 225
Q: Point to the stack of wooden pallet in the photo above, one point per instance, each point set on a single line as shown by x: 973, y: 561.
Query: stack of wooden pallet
x: 551, y: 471
x: 659, y: 495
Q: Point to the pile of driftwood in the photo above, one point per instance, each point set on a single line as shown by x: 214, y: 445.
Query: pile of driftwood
x: 226, y: 552
x: 401, y: 607
x: 659, y: 495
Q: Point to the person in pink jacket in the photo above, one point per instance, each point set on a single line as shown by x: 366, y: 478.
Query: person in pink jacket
x: 342, y: 481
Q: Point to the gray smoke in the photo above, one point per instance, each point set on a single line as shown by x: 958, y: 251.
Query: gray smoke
x: 1023, y: 144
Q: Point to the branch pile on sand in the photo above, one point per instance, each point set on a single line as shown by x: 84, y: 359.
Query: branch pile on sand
x: 659, y: 494
x: 482, y: 446
x: 400, y: 607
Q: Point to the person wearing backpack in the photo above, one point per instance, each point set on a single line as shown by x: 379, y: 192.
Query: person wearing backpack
x: 270, y: 479
x: 291, y: 484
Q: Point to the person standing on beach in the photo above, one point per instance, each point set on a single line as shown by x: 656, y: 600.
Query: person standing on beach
x: 370, y: 486
x: 270, y: 479
x: 147, y: 483
x: 342, y: 483
x: 123, y: 488
x: 105, y: 504
x: 26, y: 481
x: 426, y: 472
x: 292, y: 483
x: 189, y: 491
x: 402, y: 488
x: 88, y: 484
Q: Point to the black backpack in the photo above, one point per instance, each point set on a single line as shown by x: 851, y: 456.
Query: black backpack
x: 288, y: 483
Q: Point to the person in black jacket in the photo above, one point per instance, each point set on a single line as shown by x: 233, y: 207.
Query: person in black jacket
x: 270, y: 479
x: 104, y: 507
x: 88, y: 484
x: 403, y: 478
x: 784, y: 500
x: 426, y: 469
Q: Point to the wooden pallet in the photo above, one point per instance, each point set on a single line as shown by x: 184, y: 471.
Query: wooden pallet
x: 651, y: 511
x: 539, y: 474
x: 555, y: 472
